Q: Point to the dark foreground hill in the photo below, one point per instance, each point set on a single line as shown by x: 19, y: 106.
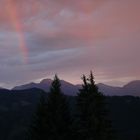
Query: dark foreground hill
x: 18, y: 106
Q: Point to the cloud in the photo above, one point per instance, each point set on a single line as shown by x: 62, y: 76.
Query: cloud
x: 70, y: 38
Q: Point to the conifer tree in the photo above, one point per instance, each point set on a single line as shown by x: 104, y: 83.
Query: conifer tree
x: 52, y: 119
x: 93, y: 123
x: 58, y: 116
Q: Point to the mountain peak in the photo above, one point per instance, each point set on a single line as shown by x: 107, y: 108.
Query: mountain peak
x: 46, y: 81
x: 133, y: 84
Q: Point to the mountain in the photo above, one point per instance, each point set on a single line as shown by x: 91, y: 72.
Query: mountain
x: 67, y: 88
x: 109, y: 90
x: 132, y: 88
x: 44, y: 84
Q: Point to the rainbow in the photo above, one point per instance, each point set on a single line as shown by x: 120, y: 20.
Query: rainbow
x: 16, y: 23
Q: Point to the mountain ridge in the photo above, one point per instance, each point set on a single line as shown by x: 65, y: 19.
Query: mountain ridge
x: 131, y: 88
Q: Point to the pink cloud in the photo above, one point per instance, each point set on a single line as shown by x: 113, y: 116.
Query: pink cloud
x: 105, y: 33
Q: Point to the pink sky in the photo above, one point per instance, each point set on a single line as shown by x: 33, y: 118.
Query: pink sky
x: 69, y: 37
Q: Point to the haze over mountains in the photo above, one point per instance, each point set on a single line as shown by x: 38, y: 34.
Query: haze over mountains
x: 132, y: 88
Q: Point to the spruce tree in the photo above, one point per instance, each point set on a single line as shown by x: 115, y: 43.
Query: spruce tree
x: 93, y: 122
x: 52, y: 119
x: 58, y: 116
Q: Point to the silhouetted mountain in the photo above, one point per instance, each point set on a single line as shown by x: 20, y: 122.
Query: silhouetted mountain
x: 67, y: 88
x: 109, y: 90
x: 132, y: 88
x: 44, y: 84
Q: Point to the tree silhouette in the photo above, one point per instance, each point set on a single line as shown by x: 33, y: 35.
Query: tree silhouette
x: 93, y: 123
x: 52, y: 119
x: 58, y: 116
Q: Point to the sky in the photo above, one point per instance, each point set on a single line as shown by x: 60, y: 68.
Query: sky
x: 39, y: 38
